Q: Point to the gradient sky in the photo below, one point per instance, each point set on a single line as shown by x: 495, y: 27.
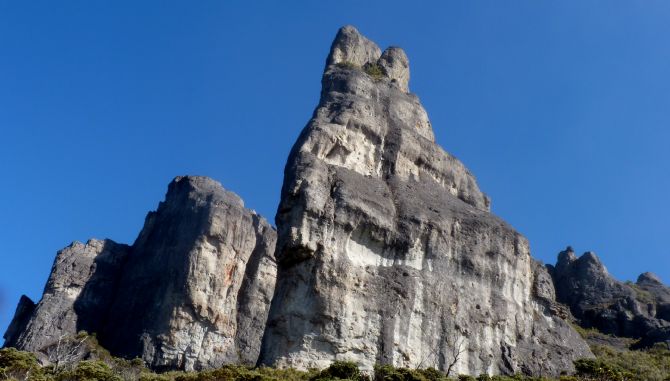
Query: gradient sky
x: 560, y: 108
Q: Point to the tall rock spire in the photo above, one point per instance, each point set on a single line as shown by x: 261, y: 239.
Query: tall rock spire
x: 387, y: 251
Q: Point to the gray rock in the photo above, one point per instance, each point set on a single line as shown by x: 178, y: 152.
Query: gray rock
x: 386, y: 247
x: 395, y: 63
x: 196, y: 289
x: 193, y: 291
x: 352, y: 48
x: 22, y: 315
x: 635, y: 310
x: 76, y: 297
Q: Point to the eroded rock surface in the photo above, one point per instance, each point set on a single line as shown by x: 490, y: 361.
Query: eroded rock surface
x: 76, y: 297
x: 386, y: 247
x: 638, y: 310
x: 197, y: 286
x: 193, y: 291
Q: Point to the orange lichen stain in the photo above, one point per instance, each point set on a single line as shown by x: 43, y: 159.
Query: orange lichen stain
x: 230, y: 273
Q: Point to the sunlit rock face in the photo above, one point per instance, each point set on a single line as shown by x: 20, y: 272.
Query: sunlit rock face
x: 387, y: 251
x: 193, y: 292
x: 196, y: 289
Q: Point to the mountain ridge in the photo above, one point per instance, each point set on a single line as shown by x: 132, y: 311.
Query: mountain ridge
x: 385, y: 251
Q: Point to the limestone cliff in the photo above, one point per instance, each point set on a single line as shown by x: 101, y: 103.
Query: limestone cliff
x: 192, y: 292
x: 76, y: 297
x: 196, y: 288
x: 386, y: 248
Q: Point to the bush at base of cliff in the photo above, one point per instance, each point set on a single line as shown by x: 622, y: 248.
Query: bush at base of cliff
x: 20, y: 365
x: 340, y: 370
x: 650, y: 365
x: 90, y: 371
x: 389, y: 373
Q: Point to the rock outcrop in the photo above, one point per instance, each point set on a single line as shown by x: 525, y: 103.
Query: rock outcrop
x: 76, y: 298
x: 638, y: 310
x: 197, y: 285
x: 387, y: 252
x: 192, y: 292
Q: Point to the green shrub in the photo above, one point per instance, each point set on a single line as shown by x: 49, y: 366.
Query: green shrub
x: 347, y: 65
x: 652, y: 364
x: 340, y: 370
x: 89, y: 370
x: 389, y: 373
x: 15, y: 364
x: 374, y: 70
x: 431, y: 374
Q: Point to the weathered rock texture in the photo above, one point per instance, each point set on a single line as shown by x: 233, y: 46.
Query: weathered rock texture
x: 197, y: 286
x: 76, y: 298
x: 192, y: 292
x: 636, y: 310
x: 387, y: 251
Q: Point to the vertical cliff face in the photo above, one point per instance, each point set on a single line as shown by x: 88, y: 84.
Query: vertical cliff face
x: 192, y: 292
x: 197, y: 285
x: 387, y: 251
x: 76, y: 298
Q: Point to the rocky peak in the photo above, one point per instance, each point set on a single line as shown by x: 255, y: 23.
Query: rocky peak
x: 200, y: 188
x: 649, y: 278
x: 198, y: 283
x: 395, y: 65
x: 77, y: 295
x: 376, y: 221
x: 192, y: 292
x: 351, y: 49
x: 596, y: 299
x: 565, y: 258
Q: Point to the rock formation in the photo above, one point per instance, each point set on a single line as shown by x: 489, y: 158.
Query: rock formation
x: 387, y: 252
x: 76, y: 297
x: 197, y: 285
x: 192, y: 292
x: 638, y: 310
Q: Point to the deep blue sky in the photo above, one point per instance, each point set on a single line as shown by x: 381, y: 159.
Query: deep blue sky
x: 560, y: 108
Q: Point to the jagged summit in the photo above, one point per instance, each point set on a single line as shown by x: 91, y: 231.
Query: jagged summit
x: 648, y: 278
x: 387, y: 250
x: 596, y: 299
x: 192, y: 292
x: 386, y: 253
x: 350, y: 48
x: 188, y: 186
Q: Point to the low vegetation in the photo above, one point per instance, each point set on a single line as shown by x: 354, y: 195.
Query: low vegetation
x: 94, y: 363
x: 372, y: 69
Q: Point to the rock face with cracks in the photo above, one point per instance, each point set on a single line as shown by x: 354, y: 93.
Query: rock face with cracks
x: 193, y: 291
x: 198, y: 283
x: 387, y: 252
x: 76, y: 297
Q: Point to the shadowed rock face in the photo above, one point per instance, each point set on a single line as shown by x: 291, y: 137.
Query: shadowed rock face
x: 387, y: 251
x: 637, y: 310
x: 76, y: 298
x: 192, y: 292
x: 197, y: 257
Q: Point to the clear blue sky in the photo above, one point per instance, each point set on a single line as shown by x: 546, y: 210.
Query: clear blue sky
x: 560, y: 108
